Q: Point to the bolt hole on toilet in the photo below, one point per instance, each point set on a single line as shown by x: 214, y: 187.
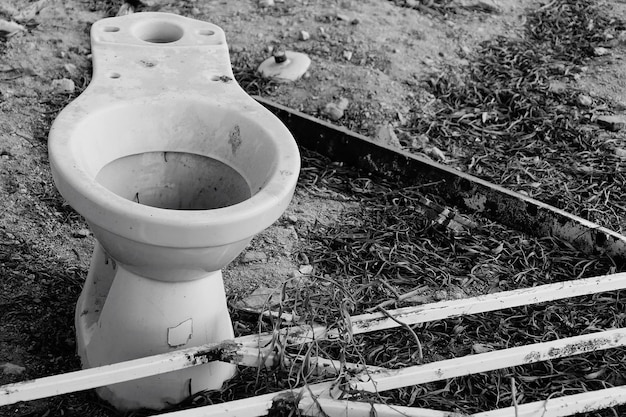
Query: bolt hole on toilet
x: 175, y: 168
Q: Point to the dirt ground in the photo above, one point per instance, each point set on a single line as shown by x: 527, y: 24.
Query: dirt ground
x: 373, y: 53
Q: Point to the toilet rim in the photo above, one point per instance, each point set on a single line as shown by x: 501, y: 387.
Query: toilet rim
x: 166, y: 227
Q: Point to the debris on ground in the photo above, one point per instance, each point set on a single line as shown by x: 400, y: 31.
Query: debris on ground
x: 8, y: 29
x: 12, y: 369
x: 30, y: 12
x: 387, y: 136
x: 261, y: 299
x: 285, y: 66
x: 611, y: 122
x: 254, y: 256
x: 64, y: 85
x: 335, y: 110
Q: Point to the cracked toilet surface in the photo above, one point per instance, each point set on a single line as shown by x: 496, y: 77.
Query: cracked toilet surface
x: 180, y: 335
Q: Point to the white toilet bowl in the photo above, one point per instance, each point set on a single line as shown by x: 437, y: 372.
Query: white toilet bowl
x: 175, y: 168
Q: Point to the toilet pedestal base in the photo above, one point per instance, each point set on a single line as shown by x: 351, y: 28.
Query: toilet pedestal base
x: 122, y: 316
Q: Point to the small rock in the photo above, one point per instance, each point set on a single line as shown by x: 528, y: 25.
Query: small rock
x: 298, y: 280
x: 266, y: 3
x: 292, y: 219
x: 436, y: 153
x: 440, y: 295
x: 306, y: 269
x: 584, y: 100
x: 29, y: 13
x: 261, y: 299
x: 600, y: 51
x: 254, y: 256
x: 304, y: 35
x: 482, y: 348
x: 71, y: 69
x: 8, y: 29
x: 611, y: 43
x: 612, y: 123
x: 64, y: 85
x: 335, y: 111
x: 420, y: 142
x: 12, y: 369
x: 81, y: 233
x: 125, y: 9
x: 355, y: 21
x: 347, y: 55
x: 417, y: 299
x: 342, y: 17
x: 557, y: 87
x: 343, y: 103
x: 620, y: 152
x: 619, y: 106
x: 387, y: 136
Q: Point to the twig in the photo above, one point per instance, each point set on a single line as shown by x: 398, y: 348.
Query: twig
x: 514, y: 396
x: 420, y: 351
x: 398, y: 298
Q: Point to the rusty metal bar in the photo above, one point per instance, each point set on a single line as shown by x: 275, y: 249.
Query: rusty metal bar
x: 488, y: 302
x: 255, y: 350
x: 568, y: 405
x: 489, y: 361
x: 370, y: 322
x: 456, y: 188
x: 436, y: 371
x: 118, y: 372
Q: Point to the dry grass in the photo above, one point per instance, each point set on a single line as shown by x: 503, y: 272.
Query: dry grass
x: 507, y: 126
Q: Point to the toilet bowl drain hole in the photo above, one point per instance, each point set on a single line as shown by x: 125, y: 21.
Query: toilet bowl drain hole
x: 175, y: 180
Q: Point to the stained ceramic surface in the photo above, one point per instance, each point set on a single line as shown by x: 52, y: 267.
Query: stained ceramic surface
x: 175, y: 169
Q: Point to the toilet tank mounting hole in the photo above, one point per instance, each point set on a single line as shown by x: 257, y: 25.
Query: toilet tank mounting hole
x: 159, y: 32
x: 206, y: 32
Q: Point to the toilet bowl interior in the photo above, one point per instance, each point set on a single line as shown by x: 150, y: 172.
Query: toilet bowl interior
x: 176, y: 155
x: 175, y: 180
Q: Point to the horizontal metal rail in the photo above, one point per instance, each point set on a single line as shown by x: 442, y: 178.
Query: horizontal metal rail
x: 455, y: 187
x: 118, y: 372
x: 257, y: 350
x: 365, y: 323
x: 489, y: 361
x: 564, y: 406
x: 328, y: 407
x: 320, y: 395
